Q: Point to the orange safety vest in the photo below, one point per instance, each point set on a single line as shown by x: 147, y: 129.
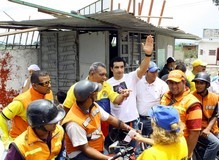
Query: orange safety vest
x: 182, y: 104
x: 33, y: 148
x: 19, y: 125
x: 49, y: 96
x: 209, y: 102
x: 90, y: 123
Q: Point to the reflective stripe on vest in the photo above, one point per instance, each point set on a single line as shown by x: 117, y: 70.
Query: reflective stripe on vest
x: 33, y: 151
x: 94, y: 113
x: 96, y: 133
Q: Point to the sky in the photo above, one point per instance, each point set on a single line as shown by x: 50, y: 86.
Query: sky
x: 191, y: 16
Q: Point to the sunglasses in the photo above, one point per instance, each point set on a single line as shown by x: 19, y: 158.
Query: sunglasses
x: 45, y: 83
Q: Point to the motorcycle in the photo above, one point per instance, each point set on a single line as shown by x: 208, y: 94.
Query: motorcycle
x: 199, y: 151
x: 125, y: 154
x: 121, y: 144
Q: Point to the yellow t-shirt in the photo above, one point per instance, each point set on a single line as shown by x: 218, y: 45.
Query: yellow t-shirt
x: 15, y: 108
x: 190, y: 76
x: 175, y: 151
x: 106, y: 92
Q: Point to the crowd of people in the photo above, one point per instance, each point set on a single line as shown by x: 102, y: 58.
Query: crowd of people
x: 177, y: 108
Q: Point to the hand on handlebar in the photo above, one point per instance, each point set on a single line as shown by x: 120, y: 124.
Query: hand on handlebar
x: 138, y: 137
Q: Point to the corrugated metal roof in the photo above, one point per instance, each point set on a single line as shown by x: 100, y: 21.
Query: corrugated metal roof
x: 118, y: 19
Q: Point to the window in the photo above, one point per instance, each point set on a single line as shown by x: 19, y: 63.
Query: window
x: 212, y: 52
x: 201, y: 51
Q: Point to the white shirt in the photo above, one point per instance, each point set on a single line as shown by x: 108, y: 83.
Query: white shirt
x: 149, y: 95
x: 214, y: 87
x: 78, y: 135
x: 127, y: 111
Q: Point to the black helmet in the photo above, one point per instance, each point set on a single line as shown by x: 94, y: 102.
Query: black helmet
x: 41, y: 112
x: 202, y: 76
x: 83, y: 89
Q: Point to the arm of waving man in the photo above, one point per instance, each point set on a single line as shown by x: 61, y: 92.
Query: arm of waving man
x: 148, y: 49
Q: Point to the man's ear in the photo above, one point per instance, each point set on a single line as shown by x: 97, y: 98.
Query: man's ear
x: 92, y: 73
x: 34, y: 85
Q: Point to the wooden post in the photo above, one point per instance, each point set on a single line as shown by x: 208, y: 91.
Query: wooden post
x: 128, y: 9
x: 23, y: 31
x: 111, y: 8
x: 118, y: 5
x: 161, y: 13
x: 150, y: 10
x: 141, y: 6
x: 133, y: 7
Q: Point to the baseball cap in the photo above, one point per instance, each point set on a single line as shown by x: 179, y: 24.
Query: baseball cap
x: 170, y: 60
x: 176, y: 76
x: 164, y: 117
x: 152, y: 67
x: 33, y: 67
x: 198, y: 62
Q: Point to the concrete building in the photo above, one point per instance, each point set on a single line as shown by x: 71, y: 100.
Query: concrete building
x: 69, y: 45
x: 208, y: 49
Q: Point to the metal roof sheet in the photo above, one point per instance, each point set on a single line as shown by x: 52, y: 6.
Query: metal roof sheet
x: 118, y: 19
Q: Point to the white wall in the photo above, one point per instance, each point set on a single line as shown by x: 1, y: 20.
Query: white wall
x: 206, y: 46
x: 20, y: 60
x: 165, y: 47
x: 92, y: 48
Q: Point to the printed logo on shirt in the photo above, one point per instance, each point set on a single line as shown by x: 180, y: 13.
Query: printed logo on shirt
x: 120, y: 87
x: 209, y: 107
x: 104, y: 94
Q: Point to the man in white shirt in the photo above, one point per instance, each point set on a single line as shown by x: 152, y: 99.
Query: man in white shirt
x: 214, y: 84
x: 32, y: 68
x: 150, y: 89
x: 127, y: 111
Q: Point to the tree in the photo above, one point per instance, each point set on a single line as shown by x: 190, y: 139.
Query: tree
x: 5, y: 71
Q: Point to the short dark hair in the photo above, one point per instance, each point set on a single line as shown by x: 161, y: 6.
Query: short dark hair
x: 117, y: 59
x: 35, y: 76
x: 181, y: 66
x: 61, y: 95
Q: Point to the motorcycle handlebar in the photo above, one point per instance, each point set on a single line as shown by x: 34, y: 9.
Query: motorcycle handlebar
x: 122, y: 153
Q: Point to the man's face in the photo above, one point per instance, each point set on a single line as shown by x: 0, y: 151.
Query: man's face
x: 151, y: 76
x: 201, y: 69
x: 118, y: 70
x: 173, y: 65
x: 94, y: 96
x: 100, y: 75
x: 89, y: 101
x: 50, y: 127
x: 44, y: 85
x: 200, y: 86
x: 176, y: 88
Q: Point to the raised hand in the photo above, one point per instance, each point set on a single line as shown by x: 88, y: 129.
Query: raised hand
x: 149, y: 45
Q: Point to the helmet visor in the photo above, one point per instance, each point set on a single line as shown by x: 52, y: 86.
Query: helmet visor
x: 60, y: 115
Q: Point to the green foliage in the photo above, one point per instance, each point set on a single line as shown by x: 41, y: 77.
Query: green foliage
x: 187, y: 54
x: 191, y: 54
